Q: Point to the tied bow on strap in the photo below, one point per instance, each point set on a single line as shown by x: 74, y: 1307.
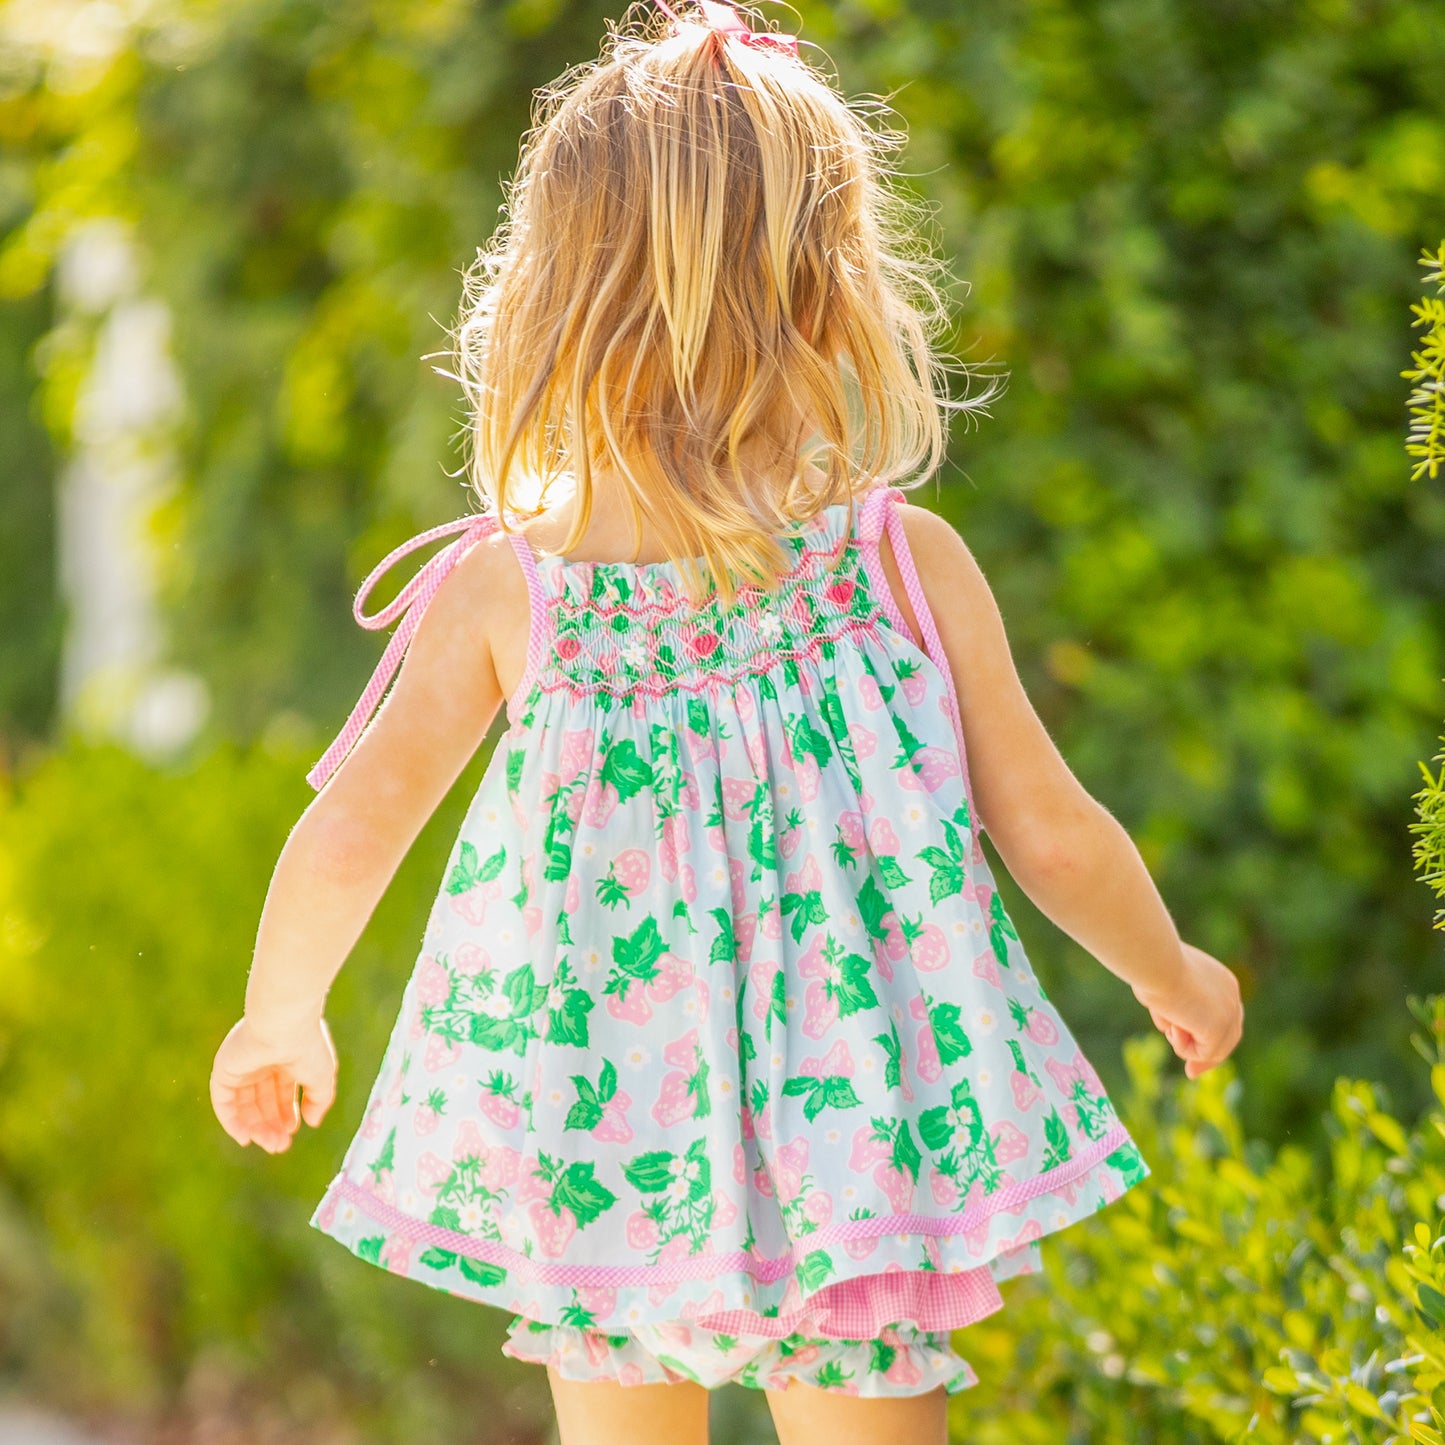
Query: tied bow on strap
x: 411, y: 601
x: 727, y: 21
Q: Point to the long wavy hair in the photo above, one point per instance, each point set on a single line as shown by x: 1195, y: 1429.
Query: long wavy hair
x: 704, y: 246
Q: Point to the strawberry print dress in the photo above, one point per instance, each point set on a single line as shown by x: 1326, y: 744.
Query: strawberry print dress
x: 722, y: 1058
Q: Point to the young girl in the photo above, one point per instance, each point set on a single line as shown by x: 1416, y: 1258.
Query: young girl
x: 722, y: 1059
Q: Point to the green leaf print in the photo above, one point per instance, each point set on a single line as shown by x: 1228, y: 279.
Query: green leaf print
x: 873, y: 905
x: 831, y: 1375
x: 777, y: 1004
x: 813, y: 1269
x: 1129, y: 1162
x: 504, y: 1019
x: 906, y: 1157
x: 948, y: 867
x: 698, y: 717
x: 806, y: 908
x: 807, y: 741
x: 843, y: 853
x: 835, y: 1090
x: 568, y: 1022
x: 635, y: 956
x: 611, y: 890
x: 942, y: 1127
x: 848, y: 979
x: 953, y: 1044
x: 435, y: 1258
x: 891, y: 871
x: 762, y: 841
x: 725, y: 945
x: 370, y: 1248
x: 1000, y: 929
x: 555, y: 843
x: 651, y: 1172
x: 883, y: 1355
x: 582, y: 1193
x: 626, y: 769
x: 516, y: 761
x: 386, y: 1159
x: 892, y: 1046
x: 1057, y: 1136
x: 467, y: 873
x: 746, y: 1048
x: 480, y: 1272
x: 832, y: 710
x: 586, y: 1113
x: 908, y: 745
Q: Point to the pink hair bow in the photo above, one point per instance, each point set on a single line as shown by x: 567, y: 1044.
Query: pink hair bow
x: 725, y: 19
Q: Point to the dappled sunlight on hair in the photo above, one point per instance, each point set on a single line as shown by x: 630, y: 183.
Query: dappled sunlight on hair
x: 704, y: 250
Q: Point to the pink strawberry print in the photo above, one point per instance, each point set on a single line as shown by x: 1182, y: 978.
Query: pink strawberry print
x: 932, y: 768
x: 642, y: 1230
x: 912, y: 681
x: 553, y: 1231
x: 432, y: 1171
x: 497, y: 1101
x: 1010, y: 1142
x: 440, y: 1053
x: 433, y: 983
x: 1035, y: 1022
x: 613, y: 1127
x: 985, y: 966
x: 930, y: 949
x: 598, y: 1300
x: 429, y: 1113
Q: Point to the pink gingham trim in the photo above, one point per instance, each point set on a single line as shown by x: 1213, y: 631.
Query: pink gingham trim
x: 863, y: 1307
x: 408, y: 604
x: 708, y: 1266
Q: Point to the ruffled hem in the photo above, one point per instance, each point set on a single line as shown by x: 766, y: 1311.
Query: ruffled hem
x: 841, y: 1281
x: 899, y: 1360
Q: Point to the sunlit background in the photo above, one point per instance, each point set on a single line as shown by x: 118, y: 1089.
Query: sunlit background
x: 231, y: 239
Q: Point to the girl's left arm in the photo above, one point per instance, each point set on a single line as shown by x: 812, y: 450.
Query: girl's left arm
x: 347, y: 846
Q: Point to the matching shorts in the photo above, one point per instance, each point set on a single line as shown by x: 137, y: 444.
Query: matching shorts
x: 905, y: 1360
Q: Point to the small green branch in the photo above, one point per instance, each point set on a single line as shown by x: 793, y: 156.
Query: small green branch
x: 1427, y: 401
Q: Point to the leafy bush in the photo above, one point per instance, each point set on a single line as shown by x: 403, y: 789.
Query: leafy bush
x: 1248, y: 1295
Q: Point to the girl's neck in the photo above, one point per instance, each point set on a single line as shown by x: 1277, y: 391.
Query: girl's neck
x: 608, y: 536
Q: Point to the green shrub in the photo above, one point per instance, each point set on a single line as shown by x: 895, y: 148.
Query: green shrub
x: 1247, y: 1294
x: 138, y: 1242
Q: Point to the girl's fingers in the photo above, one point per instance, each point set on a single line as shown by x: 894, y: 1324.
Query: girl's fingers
x: 285, y: 1101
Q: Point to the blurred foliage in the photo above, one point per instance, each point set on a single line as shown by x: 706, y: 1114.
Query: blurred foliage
x: 135, y: 1236
x: 140, y: 1240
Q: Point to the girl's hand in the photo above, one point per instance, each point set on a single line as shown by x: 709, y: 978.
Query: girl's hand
x: 1200, y: 1013
x: 255, y: 1077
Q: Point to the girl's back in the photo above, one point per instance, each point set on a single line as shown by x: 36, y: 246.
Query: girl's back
x: 718, y: 1016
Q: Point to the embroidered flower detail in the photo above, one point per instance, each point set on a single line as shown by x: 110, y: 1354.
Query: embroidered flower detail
x: 632, y: 633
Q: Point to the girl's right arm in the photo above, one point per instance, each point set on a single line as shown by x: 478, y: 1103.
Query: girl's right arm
x: 347, y: 845
x: 1063, y: 847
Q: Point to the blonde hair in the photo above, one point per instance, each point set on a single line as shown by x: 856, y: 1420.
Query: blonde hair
x: 702, y: 245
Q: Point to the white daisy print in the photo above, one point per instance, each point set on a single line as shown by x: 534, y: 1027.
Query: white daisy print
x: 636, y: 1057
